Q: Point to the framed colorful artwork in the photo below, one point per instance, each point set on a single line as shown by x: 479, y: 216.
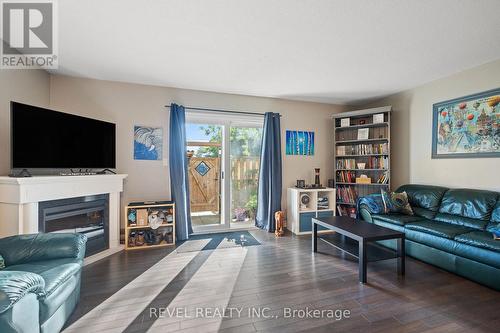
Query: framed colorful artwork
x: 148, y: 143
x: 299, y: 143
x: 467, y: 126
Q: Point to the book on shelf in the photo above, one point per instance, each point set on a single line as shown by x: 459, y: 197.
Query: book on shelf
x: 384, y: 178
x: 341, y: 210
x: 346, y: 194
x: 378, y: 118
x: 363, y: 133
x: 363, y: 149
x: 345, y: 122
x: 346, y: 176
x: 347, y: 211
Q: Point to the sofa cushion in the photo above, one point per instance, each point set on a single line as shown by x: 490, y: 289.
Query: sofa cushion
x: 440, y: 243
x: 494, y: 224
x: 399, y: 219
x: 444, y: 230
x: 479, y: 254
x: 460, y: 220
x: 396, y: 202
x: 484, y: 256
x: 483, y: 239
x: 471, y: 208
x: 389, y: 225
x: 424, y: 196
x: 424, y: 213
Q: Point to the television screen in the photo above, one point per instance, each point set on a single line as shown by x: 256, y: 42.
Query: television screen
x: 43, y: 138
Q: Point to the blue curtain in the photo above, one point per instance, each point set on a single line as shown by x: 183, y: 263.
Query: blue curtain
x: 269, y: 193
x: 179, y: 182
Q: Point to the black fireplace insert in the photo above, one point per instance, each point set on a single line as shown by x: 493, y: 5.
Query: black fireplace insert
x: 88, y: 215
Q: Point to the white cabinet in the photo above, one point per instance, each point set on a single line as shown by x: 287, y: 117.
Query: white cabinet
x: 305, y: 204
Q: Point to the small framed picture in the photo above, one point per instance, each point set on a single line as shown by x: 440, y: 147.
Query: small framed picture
x: 378, y: 118
x: 363, y: 133
x: 345, y: 122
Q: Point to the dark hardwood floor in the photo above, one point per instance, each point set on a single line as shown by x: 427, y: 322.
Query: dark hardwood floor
x: 119, y: 292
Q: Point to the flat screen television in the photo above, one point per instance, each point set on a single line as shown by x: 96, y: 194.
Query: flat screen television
x: 48, y: 139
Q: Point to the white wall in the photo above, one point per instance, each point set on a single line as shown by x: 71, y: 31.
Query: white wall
x: 133, y: 104
x: 29, y: 86
x: 411, y: 134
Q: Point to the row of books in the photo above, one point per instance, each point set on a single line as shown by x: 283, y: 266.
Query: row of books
x: 346, y: 194
x: 378, y: 163
x: 371, y: 163
x: 346, y: 176
x: 363, y: 149
x: 347, y: 163
x: 346, y: 211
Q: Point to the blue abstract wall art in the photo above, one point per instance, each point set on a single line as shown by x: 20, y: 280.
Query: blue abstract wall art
x: 299, y: 143
x: 148, y: 143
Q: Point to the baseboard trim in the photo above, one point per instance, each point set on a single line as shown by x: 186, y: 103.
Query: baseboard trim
x: 98, y: 256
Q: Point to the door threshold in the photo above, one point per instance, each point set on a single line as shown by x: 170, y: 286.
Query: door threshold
x: 222, y: 231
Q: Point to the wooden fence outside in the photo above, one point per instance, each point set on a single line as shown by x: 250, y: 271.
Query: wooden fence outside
x: 205, y: 189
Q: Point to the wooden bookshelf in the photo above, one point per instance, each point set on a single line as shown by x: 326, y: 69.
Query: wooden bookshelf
x: 137, y: 216
x: 351, y: 149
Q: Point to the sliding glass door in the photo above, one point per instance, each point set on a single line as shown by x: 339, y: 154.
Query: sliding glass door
x: 223, y: 167
x: 245, y: 143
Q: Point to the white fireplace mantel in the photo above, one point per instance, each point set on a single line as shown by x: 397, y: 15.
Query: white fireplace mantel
x: 19, y: 198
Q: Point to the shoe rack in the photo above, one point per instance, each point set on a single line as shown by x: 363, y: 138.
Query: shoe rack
x: 139, y: 219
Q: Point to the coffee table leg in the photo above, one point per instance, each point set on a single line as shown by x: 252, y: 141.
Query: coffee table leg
x: 362, y: 262
x: 314, y: 237
x: 401, y: 255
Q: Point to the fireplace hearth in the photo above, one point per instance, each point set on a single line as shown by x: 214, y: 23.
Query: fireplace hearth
x: 88, y: 215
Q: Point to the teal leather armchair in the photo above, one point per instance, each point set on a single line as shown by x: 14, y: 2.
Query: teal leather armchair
x: 40, y: 285
x: 450, y: 228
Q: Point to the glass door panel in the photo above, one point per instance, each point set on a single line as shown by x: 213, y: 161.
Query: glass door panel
x: 205, y: 165
x: 245, y: 147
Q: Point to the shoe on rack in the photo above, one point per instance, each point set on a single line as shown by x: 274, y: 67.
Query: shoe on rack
x: 149, y: 237
x: 140, y: 239
x: 131, y: 239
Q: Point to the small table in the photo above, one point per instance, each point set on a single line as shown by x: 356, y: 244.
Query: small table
x: 362, y: 232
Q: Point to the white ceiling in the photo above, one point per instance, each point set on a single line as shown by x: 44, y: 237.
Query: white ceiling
x: 335, y: 51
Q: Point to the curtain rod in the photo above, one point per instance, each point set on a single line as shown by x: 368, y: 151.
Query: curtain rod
x: 219, y: 110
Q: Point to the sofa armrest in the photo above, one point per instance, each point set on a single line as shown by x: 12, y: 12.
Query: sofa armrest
x: 14, y: 285
x: 368, y: 205
x: 21, y: 249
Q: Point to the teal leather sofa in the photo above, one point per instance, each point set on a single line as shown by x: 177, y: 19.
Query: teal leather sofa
x: 40, y: 285
x: 450, y: 229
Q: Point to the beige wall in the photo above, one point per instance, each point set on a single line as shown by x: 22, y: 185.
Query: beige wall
x: 26, y: 86
x: 132, y: 104
x: 411, y: 134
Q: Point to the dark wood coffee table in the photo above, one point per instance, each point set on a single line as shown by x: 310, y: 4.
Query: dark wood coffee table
x: 362, y: 232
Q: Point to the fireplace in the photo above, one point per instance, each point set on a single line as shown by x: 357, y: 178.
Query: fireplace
x: 87, y: 215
